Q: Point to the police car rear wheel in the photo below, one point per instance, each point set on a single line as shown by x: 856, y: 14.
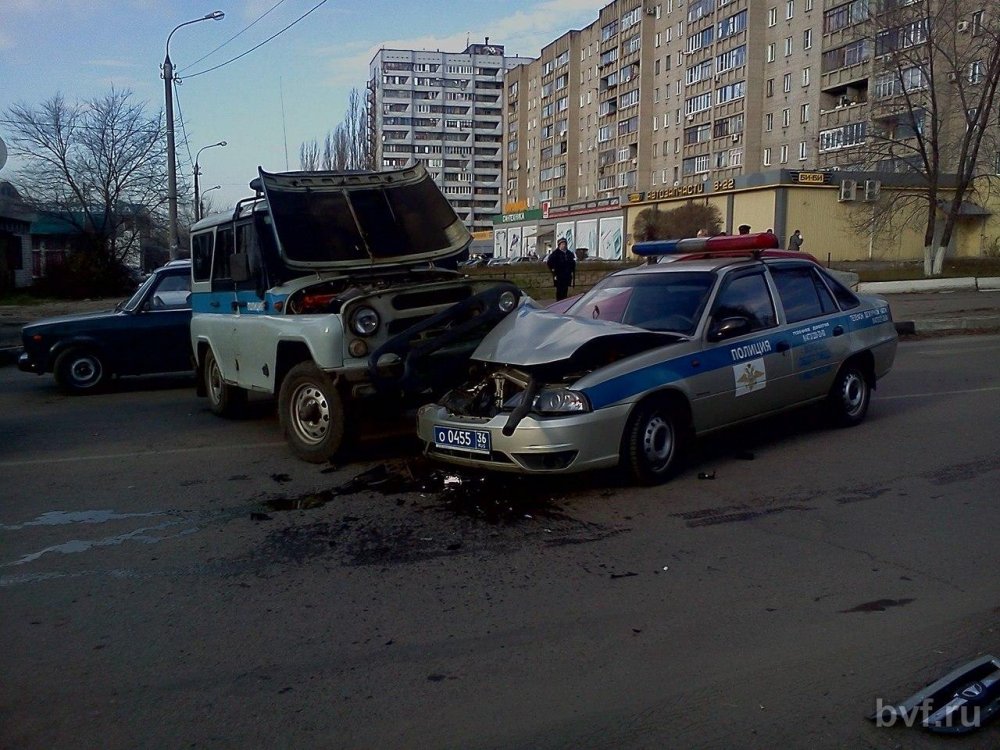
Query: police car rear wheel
x: 850, y: 395
x: 312, y: 413
x: 223, y: 399
x: 652, y: 443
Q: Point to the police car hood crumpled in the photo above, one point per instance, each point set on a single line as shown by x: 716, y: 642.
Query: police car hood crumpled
x: 532, y: 336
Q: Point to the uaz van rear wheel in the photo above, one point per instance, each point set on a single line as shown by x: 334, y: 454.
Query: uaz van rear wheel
x: 653, y: 442
x: 223, y: 399
x: 312, y: 413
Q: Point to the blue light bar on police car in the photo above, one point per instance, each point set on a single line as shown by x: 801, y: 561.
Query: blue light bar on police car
x: 720, y: 244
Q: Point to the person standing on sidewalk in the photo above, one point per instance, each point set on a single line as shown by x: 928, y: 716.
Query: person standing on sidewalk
x: 563, y: 265
x: 795, y: 241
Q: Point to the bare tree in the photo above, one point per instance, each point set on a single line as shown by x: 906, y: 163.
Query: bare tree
x: 936, y: 67
x: 347, y: 146
x: 100, y: 165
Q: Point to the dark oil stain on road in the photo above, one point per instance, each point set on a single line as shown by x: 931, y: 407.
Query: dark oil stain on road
x: 879, y: 605
x: 437, y: 513
x: 495, y: 499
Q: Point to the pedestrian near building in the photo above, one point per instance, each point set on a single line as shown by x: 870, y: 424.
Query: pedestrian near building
x: 744, y: 229
x: 563, y: 265
x: 795, y: 241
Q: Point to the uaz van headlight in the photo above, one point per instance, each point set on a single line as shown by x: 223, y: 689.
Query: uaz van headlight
x: 364, y: 321
x: 507, y: 301
x: 560, y: 401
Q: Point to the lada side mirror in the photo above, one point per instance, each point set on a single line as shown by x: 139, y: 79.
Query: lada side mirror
x: 727, y: 328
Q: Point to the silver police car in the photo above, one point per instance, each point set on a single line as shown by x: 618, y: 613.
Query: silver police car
x: 654, y: 355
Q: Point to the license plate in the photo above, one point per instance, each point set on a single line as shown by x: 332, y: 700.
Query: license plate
x: 475, y: 441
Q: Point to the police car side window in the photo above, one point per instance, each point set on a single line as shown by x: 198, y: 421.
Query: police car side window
x: 844, y: 295
x: 746, y: 295
x: 803, y: 295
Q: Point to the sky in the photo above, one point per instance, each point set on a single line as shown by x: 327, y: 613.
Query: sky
x: 291, y: 90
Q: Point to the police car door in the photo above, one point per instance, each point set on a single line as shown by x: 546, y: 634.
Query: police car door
x: 816, y: 329
x: 747, y: 365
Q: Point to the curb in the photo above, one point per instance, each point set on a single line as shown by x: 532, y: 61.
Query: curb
x: 967, y: 284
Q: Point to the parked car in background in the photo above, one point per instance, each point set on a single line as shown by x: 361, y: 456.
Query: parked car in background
x: 655, y: 355
x: 148, y: 333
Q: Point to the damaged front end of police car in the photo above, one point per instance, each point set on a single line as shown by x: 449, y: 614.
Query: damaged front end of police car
x: 655, y: 355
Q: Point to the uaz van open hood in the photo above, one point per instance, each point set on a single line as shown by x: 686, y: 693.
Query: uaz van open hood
x: 355, y: 220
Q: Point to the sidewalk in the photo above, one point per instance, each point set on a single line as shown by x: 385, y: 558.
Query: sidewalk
x: 918, y: 307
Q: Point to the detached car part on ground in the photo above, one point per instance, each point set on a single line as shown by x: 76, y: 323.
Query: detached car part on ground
x: 655, y: 355
x: 332, y: 291
x: 148, y: 333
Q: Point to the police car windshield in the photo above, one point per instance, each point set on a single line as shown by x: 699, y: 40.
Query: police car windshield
x: 657, y: 302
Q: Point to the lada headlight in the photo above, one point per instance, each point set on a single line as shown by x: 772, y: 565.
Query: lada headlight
x: 364, y: 321
x: 560, y: 401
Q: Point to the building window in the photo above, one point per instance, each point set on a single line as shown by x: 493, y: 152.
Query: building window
x: 803, y: 150
x: 767, y: 157
x: 804, y: 112
x: 786, y: 116
x: 789, y: 9
x: 784, y: 153
x: 786, y: 82
x: 976, y: 71
x: 807, y: 39
x: 772, y: 16
x: 769, y: 122
x: 769, y: 87
x: 977, y: 23
x: 770, y: 52
x: 805, y: 76
x: 788, y: 46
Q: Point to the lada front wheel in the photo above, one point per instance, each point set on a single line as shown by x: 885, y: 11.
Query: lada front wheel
x: 79, y: 370
x: 652, y: 443
x: 223, y: 399
x: 312, y: 413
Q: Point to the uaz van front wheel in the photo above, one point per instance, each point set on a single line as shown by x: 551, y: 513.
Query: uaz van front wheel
x: 312, y: 413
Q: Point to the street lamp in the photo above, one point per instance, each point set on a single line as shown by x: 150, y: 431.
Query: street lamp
x: 197, y: 171
x: 168, y: 80
x: 201, y: 208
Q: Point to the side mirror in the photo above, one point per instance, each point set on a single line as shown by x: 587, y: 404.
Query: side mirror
x: 727, y: 328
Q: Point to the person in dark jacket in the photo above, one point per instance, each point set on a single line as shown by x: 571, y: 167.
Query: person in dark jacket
x: 563, y: 265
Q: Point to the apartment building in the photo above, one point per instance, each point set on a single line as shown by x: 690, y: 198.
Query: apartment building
x: 662, y: 100
x: 664, y: 95
x: 445, y: 110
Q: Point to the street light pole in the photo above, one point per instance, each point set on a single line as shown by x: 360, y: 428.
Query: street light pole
x: 197, y: 172
x: 201, y: 209
x: 168, y: 97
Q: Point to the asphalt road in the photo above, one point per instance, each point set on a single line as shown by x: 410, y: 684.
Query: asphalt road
x: 170, y: 579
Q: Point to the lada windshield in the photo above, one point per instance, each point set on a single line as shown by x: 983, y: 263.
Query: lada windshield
x: 656, y: 301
